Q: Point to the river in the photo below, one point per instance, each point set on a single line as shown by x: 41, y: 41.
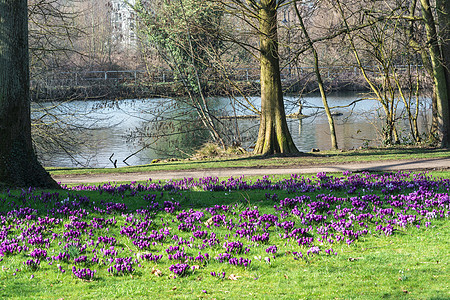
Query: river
x: 102, y: 131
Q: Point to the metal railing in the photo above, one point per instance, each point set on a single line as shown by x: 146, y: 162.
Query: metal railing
x: 79, y: 78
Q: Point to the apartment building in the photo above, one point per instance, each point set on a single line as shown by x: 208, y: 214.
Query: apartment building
x: 123, y: 22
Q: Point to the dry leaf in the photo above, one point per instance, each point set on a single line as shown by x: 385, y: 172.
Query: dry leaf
x: 209, y: 222
x: 285, y: 276
x: 233, y: 277
x: 195, y: 267
x: 156, y: 272
x: 354, y: 258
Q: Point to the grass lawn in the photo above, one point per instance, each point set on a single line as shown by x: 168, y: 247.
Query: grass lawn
x: 352, y: 236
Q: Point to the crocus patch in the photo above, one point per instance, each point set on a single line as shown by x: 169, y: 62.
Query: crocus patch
x: 68, y: 231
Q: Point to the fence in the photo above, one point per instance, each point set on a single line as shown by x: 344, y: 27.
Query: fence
x: 86, y: 78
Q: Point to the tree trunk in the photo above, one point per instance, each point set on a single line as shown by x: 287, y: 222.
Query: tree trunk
x: 334, y: 144
x: 443, y: 13
x: 424, y: 54
x: 18, y: 163
x: 439, y: 75
x: 274, y: 136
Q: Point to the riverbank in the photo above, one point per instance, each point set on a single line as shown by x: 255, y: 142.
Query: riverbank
x: 114, y: 90
x: 390, y: 159
x: 383, y: 166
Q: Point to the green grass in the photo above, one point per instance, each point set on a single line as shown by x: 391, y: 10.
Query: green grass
x: 328, y: 157
x: 395, y: 268
x: 411, y: 264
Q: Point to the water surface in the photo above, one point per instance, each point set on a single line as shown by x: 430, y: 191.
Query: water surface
x: 119, y: 128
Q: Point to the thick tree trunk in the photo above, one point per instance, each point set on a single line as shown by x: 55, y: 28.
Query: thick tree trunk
x: 424, y: 53
x: 439, y: 75
x: 274, y: 136
x: 443, y: 13
x: 18, y: 164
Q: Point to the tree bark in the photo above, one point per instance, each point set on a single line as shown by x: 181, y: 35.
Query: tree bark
x: 19, y: 166
x: 274, y: 136
x: 424, y: 54
x: 439, y: 75
x: 443, y: 13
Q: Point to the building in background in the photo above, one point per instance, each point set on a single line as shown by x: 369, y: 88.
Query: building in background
x: 123, y: 23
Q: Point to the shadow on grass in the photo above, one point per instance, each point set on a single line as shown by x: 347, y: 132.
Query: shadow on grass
x: 188, y: 200
x: 391, y: 151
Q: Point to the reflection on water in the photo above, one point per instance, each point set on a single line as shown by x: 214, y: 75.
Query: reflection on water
x: 116, y: 121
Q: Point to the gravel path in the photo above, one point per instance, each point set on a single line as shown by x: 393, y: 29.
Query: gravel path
x: 397, y: 165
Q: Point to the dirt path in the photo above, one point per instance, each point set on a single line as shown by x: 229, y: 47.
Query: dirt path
x: 397, y: 165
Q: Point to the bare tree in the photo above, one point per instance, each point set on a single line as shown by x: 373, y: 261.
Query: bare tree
x: 334, y: 144
x: 261, y: 17
x: 181, y: 31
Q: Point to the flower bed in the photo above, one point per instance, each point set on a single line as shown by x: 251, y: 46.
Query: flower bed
x: 94, y: 231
